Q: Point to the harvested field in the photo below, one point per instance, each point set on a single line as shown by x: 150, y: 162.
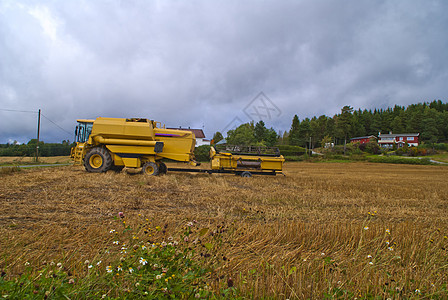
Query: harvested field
x: 15, y: 160
x: 325, y: 230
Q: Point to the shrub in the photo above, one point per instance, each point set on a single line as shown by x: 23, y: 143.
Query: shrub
x: 438, y: 146
x: 398, y: 160
x: 202, y: 153
x: 289, y: 150
x: 295, y: 158
x: 372, y: 147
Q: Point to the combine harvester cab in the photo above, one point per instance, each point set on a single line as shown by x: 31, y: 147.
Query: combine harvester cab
x: 113, y: 143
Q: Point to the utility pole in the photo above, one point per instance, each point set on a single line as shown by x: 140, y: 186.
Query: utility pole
x: 311, y: 151
x: 38, y: 133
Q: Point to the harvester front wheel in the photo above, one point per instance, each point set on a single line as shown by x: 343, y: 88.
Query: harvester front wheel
x: 150, y: 168
x: 98, y: 160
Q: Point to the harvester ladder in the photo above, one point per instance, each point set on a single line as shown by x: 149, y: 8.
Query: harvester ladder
x: 78, y: 155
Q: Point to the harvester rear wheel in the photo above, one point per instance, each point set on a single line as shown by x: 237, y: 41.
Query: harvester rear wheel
x: 162, y: 168
x: 98, y: 160
x: 150, y: 168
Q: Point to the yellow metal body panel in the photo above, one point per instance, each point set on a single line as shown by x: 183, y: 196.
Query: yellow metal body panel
x: 123, y: 129
x: 118, y: 161
x: 85, y: 120
x: 132, y: 162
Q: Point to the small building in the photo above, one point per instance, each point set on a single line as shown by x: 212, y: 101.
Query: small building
x: 363, y: 139
x: 398, y: 139
x: 198, y: 133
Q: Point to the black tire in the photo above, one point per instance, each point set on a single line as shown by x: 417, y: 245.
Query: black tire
x: 150, y: 169
x: 98, y: 160
x: 117, y: 169
x: 162, y: 168
x: 246, y: 174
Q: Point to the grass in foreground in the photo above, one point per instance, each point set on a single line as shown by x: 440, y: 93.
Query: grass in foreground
x: 335, y: 231
x: 133, y: 263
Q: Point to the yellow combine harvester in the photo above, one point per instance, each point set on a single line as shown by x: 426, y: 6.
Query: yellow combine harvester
x: 112, y: 143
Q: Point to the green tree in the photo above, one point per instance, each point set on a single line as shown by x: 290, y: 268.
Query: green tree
x: 398, y: 124
x: 293, y: 137
x: 318, y: 128
x: 217, y: 137
x: 376, y: 123
x: 285, y: 138
x: 357, y: 126
x: 330, y: 127
x: 344, y: 121
x: 260, y: 132
x: 327, y: 140
x: 243, y: 135
x: 271, y: 137
x: 429, y: 131
x: 304, y: 132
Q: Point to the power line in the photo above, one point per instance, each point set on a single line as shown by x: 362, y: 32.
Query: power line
x: 35, y: 112
x: 56, y: 124
x: 24, y: 111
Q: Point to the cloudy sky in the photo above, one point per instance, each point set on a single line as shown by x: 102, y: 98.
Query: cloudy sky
x: 213, y: 64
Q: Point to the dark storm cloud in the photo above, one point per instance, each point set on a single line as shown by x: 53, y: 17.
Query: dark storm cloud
x: 200, y: 63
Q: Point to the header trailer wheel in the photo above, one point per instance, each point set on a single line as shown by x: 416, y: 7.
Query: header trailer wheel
x: 150, y: 169
x: 246, y: 174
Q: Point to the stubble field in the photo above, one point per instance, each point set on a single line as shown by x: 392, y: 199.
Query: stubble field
x: 325, y: 230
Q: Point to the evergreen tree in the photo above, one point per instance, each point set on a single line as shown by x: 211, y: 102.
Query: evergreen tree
x: 294, y: 138
x: 429, y: 131
x: 271, y: 137
x: 344, y: 122
x: 260, y: 132
x: 304, y: 132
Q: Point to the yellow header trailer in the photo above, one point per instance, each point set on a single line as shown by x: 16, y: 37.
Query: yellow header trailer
x: 246, y: 160
x: 242, y: 160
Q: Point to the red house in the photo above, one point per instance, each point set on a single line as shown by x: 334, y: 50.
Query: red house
x: 400, y: 139
x: 362, y: 139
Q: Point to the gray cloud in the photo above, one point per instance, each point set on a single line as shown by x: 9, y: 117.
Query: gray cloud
x: 199, y: 63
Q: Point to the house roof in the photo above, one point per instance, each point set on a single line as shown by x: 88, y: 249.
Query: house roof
x: 198, y: 133
x: 363, y: 137
x: 393, y: 135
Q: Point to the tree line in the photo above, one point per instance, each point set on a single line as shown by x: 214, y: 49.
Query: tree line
x: 430, y: 119
x: 29, y: 149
